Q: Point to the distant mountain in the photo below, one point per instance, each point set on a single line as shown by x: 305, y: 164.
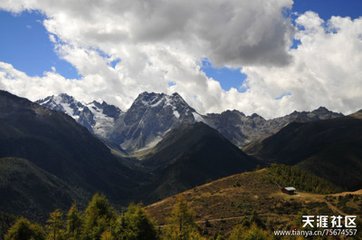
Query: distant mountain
x: 241, y: 129
x: 357, y: 114
x: 57, y: 144
x: 331, y: 149
x: 237, y: 127
x: 149, y: 118
x: 191, y: 155
x: 97, y: 117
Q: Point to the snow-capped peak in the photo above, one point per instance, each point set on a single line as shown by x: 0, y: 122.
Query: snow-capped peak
x: 158, y: 101
x: 63, y: 103
x: 97, y: 117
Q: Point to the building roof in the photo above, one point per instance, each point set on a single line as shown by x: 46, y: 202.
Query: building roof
x: 290, y: 188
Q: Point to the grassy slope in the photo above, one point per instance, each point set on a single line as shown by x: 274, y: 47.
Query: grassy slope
x: 232, y: 200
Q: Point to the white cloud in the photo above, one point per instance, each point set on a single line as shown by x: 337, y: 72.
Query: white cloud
x: 162, y: 41
x: 326, y: 71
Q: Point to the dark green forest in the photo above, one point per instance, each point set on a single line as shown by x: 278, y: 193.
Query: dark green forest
x: 284, y: 175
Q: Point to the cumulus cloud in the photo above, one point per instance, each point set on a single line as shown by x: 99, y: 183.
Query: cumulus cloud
x: 162, y: 41
x: 326, y: 70
x: 229, y: 32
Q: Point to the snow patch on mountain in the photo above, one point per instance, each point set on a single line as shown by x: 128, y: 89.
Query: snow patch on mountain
x: 198, y: 117
x: 176, y: 114
x: 103, y: 124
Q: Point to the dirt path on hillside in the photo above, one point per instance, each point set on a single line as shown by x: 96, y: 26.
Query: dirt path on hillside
x: 239, y: 217
x: 334, y: 208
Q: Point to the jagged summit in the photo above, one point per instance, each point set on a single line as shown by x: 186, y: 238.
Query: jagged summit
x: 63, y: 103
x: 161, y: 102
x: 321, y: 109
x: 97, y: 117
x: 254, y: 115
x: 107, y: 109
x: 153, y: 99
x: 150, y: 117
x: 241, y: 129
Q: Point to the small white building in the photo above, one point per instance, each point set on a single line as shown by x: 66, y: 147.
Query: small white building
x: 289, y: 190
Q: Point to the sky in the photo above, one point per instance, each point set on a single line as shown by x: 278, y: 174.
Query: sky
x: 266, y: 57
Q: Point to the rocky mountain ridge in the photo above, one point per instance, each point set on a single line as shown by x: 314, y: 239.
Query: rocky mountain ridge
x: 152, y: 115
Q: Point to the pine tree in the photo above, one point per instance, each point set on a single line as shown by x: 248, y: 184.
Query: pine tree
x: 99, y: 217
x: 73, y: 223
x: 181, y: 225
x: 107, y: 235
x: 256, y: 233
x: 253, y: 233
x: 55, y: 226
x: 23, y: 229
x: 237, y: 233
x: 255, y: 219
x: 218, y: 237
x: 134, y: 224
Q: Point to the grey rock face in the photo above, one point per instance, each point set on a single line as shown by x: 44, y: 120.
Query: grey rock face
x: 241, y: 129
x: 149, y: 118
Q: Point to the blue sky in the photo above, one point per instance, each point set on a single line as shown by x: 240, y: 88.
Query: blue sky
x: 228, y: 77
x: 328, y: 8
x: 25, y: 43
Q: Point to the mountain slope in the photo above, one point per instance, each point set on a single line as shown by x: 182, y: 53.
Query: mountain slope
x: 54, y: 142
x: 191, y: 155
x: 26, y: 189
x: 331, y: 149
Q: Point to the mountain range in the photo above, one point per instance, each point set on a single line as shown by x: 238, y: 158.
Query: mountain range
x: 152, y: 115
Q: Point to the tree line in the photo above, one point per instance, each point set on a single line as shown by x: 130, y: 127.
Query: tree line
x: 100, y: 221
